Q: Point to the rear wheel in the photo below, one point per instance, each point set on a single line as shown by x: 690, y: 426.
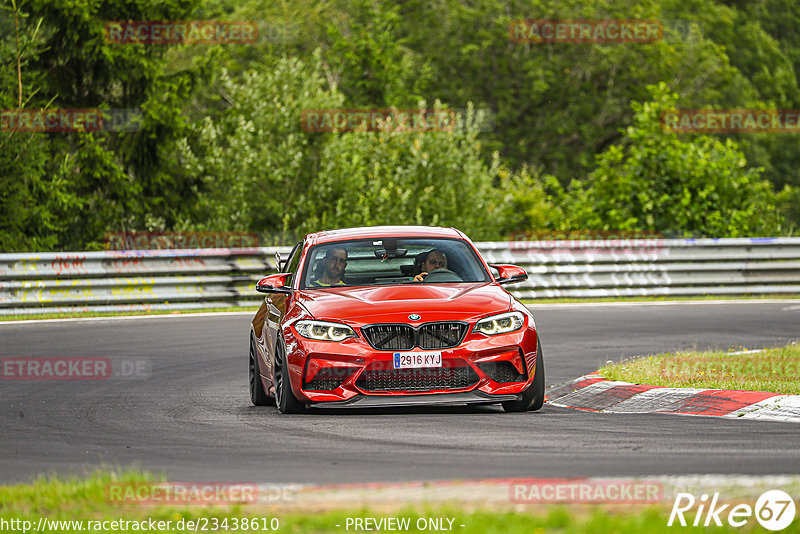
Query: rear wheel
x: 284, y: 398
x: 533, y: 398
x: 257, y: 394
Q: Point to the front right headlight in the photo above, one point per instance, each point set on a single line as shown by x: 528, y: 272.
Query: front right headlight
x: 500, y: 324
x: 324, y: 330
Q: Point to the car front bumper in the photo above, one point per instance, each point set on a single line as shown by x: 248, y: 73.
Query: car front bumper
x: 481, y: 370
x: 396, y: 401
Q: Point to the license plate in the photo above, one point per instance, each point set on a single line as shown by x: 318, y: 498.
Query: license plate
x: 412, y: 360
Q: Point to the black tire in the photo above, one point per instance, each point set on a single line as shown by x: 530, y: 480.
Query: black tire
x: 533, y: 398
x: 257, y: 394
x: 284, y: 397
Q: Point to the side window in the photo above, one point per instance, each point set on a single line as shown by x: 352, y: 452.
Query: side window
x: 293, y: 262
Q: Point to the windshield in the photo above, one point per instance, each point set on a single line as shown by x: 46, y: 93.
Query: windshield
x: 384, y: 261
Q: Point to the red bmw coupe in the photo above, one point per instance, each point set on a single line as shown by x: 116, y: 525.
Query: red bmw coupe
x: 393, y: 316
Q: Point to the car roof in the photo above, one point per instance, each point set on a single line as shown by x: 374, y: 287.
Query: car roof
x: 371, y: 232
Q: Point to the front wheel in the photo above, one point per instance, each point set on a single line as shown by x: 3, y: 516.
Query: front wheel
x: 284, y: 397
x: 533, y: 398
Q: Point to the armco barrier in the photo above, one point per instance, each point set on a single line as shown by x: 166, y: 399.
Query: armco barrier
x: 135, y: 280
x: 32, y: 283
x: 643, y: 267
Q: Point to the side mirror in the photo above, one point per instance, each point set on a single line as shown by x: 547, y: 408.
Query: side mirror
x: 274, y: 283
x: 509, y: 274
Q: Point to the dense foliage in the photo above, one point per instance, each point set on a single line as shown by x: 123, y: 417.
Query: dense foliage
x: 574, y: 140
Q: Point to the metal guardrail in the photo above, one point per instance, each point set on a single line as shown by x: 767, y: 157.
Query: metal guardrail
x: 652, y: 267
x: 140, y: 280
x: 136, y: 280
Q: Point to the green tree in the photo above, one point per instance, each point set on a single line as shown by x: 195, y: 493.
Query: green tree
x: 658, y: 181
x: 532, y: 200
x: 118, y: 179
x: 252, y: 160
x: 35, y: 194
x: 398, y: 177
x: 259, y: 169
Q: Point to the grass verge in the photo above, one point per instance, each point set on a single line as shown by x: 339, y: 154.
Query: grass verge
x: 81, y: 505
x: 775, y: 370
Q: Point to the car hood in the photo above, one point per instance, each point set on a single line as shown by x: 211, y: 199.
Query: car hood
x: 433, y: 302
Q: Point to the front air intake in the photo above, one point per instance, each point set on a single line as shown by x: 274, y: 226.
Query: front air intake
x: 422, y: 379
x: 502, y: 372
x: 328, y: 379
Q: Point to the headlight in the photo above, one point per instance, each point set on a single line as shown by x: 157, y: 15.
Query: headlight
x: 500, y: 324
x: 324, y: 331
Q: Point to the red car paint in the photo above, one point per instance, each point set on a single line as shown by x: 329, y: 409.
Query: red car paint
x: 354, y: 358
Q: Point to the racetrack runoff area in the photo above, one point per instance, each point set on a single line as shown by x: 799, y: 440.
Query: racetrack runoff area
x: 189, y: 419
x: 648, y: 504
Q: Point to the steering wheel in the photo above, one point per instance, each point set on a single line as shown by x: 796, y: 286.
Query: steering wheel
x: 442, y: 275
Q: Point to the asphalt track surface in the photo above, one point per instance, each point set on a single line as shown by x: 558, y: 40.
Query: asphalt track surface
x: 191, y: 419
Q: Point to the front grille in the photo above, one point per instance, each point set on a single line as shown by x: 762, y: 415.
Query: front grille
x: 423, y: 379
x: 441, y: 335
x: 390, y: 336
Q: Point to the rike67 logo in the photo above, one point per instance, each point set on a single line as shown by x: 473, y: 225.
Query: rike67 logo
x: 774, y: 510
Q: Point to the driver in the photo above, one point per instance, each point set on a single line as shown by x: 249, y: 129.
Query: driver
x: 434, y: 261
x: 334, y: 265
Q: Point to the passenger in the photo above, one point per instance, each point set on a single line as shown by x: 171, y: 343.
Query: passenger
x: 333, y: 271
x: 434, y: 261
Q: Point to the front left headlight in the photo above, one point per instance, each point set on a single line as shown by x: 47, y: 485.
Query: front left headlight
x: 324, y: 330
x: 500, y: 324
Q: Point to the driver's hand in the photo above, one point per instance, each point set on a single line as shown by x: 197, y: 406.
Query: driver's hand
x: 420, y: 277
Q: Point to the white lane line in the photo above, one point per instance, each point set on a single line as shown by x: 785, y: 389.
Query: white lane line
x: 532, y: 304
x: 661, y: 303
x: 128, y: 317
